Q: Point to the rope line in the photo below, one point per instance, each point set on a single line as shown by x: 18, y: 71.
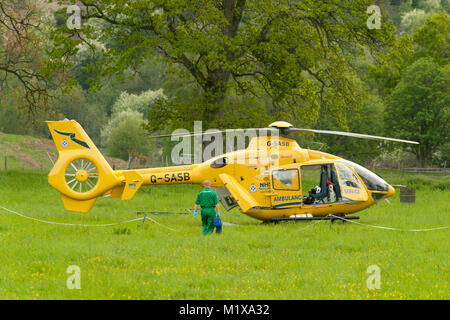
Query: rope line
x: 158, y: 223
x: 388, y: 228
x: 161, y: 224
x: 308, y: 226
x: 68, y: 224
x: 82, y: 225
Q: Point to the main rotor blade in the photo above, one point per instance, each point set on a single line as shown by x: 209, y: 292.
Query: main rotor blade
x: 285, y: 130
x: 209, y: 132
x: 351, y: 134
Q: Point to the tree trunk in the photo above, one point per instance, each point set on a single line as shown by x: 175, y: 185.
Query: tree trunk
x: 424, y: 156
x: 217, y: 89
x: 218, y: 79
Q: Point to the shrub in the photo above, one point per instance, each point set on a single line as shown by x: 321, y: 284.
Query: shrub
x: 140, y: 103
x: 127, y: 136
x: 442, y: 185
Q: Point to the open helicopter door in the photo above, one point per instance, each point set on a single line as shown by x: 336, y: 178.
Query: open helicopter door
x: 316, y: 179
x: 352, y: 189
x: 286, y: 187
x: 225, y: 198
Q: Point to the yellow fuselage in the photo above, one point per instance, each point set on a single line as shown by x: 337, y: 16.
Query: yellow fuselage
x: 254, y: 166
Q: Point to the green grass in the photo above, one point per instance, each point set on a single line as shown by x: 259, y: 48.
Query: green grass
x: 249, y: 261
x: 26, y: 153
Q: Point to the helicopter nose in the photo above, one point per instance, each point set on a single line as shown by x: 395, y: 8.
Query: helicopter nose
x: 391, y: 191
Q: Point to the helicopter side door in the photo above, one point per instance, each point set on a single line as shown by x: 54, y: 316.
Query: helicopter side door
x: 286, y: 188
x: 352, y: 188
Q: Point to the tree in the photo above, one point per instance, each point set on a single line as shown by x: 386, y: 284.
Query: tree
x: 130, y: 105
x: 141, y: 103
x: 125, y: 132
x: 430, y: 40
x: 127, y: 136
x: 295, y: 52
x: 419, y: 108
x: 14, y: 121
x: 369, y: 121
x: 22, y: 53
x: 433, y: 39
x: 89, y: 114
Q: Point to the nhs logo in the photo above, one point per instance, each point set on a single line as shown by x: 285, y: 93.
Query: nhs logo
x: 264, y: 186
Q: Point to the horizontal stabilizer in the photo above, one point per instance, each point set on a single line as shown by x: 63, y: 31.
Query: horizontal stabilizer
x: 133, y: 182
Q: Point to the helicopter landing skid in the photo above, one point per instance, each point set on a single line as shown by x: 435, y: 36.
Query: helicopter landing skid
x: 295, y: 219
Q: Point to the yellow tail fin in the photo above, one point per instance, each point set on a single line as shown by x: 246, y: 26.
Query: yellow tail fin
x: 81, y: 173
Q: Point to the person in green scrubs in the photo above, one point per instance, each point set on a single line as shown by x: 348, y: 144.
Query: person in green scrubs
x: 208, y: 200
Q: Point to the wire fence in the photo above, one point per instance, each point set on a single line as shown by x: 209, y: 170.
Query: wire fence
x: 426, y: 170
x: 10, y: 163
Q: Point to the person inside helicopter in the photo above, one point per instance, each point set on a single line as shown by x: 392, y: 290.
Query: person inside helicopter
x: 328, y: 191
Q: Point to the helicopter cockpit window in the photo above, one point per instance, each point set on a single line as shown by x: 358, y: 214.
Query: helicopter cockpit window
x: 286, y: 179
x: 219, y: 163
x: 347, y: 177
x: 370, y: 179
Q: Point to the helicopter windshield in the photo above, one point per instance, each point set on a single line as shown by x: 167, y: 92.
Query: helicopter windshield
x: 370, y: 179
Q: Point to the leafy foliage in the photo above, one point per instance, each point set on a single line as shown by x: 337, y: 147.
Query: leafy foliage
x: 125, y: 135
x: 141, y: 103
x: 369, y: 120
x: 230, y: 63
x: 22, y: 54
x: 413, y: 99
x: 433, y: 39
x: 125, y: 132
x: 419, y: 107
x: 296, y: 53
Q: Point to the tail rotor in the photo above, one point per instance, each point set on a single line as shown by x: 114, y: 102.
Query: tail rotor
x: 81, y: 175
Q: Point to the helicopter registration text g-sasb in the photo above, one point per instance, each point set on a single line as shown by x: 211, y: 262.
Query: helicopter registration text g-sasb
x: 277, y: 143
x: 174, y: 177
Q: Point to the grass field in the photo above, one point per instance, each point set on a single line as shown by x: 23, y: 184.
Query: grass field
x: 248, y: 261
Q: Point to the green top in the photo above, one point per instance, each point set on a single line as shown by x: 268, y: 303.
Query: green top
x: 207, y: 198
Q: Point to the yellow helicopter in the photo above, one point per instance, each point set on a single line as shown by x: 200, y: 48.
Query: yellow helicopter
x: 272, y: 179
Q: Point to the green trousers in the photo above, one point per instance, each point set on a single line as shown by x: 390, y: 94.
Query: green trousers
x: 208, y: 215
